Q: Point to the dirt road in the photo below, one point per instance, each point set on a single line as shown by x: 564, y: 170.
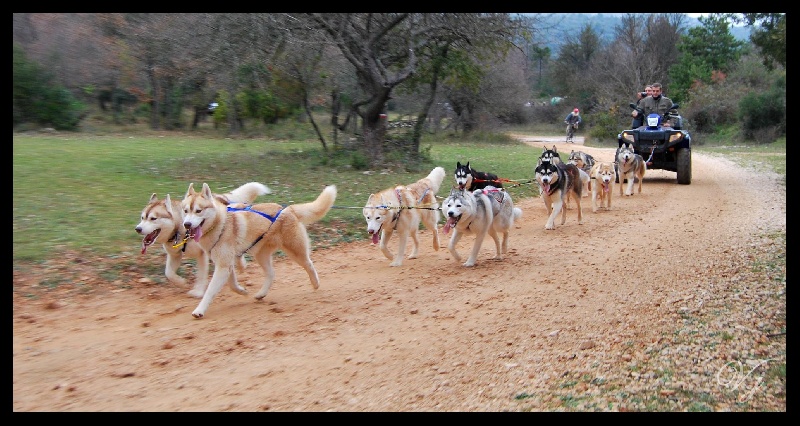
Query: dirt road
x: 639, y: 308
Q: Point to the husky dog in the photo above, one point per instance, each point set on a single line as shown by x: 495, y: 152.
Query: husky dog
x: 226, y: 233
x: 584, y: 162
x: 485, y: 211
x: 549, y: 156
x: 556, y: 181
x: 162, y: 222
x: 631, y: 165
x: 401, y: 209
x: 471, y: 179
x: 581, y: 159
x: 604, y: 175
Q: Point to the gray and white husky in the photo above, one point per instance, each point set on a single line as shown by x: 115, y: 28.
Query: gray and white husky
x: 484, y: 211
x: 162, y: 222
x: 630, y: 165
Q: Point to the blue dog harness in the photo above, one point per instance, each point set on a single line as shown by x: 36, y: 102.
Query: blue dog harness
x: 272, y: 219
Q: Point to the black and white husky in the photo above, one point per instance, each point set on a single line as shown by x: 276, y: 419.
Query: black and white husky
x: 471, y: 179
x: 556, y: 182
x: 484, y: 211
x: 549, y: 156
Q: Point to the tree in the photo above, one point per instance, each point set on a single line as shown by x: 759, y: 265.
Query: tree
x: 383, y: 50
x: 705, y: 49
x: 769, y: 33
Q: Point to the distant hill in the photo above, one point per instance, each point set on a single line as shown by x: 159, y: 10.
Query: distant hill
x: 566, y: 25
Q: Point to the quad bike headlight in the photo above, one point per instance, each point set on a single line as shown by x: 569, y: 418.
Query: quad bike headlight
x: 675, y: 137
x: 628, y: 136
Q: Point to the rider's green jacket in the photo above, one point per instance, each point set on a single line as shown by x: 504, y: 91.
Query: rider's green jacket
x: 659, y: 106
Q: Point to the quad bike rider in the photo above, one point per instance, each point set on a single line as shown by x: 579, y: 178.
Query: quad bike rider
x: 662, y: 142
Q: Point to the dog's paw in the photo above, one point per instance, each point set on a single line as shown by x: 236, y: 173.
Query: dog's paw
x: 469, y: 265
x: 396, y: 264
x: 197, y: 314
x: 176, y: 280
x: 196, y: 292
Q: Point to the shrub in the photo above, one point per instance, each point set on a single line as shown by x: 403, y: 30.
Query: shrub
x: 37, y: 99
x: 763, y: 114
x: 605, y: 127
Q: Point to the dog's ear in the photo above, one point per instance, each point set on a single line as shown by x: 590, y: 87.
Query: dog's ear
x: 207, y: 191
x: 168, y: 204
x: 153, y: 198
x: 555, y: 149
x: 467, y: 166
x: 190, y: 191
x: 458, y: 164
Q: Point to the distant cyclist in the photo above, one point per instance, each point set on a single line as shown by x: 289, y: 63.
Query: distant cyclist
x: 572, y: 121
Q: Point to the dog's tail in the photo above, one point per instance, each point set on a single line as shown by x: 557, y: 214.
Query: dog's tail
x: 517, y: 213
x: 247, y: 193
x: 309, y: 213
x: 436, y: 176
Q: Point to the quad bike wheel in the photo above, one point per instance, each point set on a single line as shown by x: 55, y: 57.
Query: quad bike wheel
x: 684, y: 166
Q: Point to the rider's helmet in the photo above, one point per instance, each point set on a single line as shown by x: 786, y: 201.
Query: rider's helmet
x: 653, y: 120
x: 575, y: 110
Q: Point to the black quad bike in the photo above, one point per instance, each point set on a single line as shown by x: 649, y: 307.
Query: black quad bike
x: 662, y: 147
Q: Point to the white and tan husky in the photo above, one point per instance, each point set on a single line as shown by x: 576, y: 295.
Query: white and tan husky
x: 228, y: 232
x: 488, y: 211
x: 603, y: 175
x: 162, y: 222
x: 400, y: 209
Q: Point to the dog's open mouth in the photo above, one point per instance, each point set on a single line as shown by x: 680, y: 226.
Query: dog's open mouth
x: 462, y: 186
x: 605, y: 186
x: 546, y: 187
x: 376, y: 235
x: 452, y: 221
x: 149, y: 239
x: 196, y: 232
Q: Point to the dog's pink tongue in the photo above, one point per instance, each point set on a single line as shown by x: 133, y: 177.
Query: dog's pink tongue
x: 546, y: 187
x: 376, y: 237
x: 197, y: 232
x: 451, y: 222
x: 144, y: 247
x: 605, y: 187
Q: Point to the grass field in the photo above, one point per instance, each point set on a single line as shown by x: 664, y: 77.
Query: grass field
x: 85, y: 193
x: 73, y: 192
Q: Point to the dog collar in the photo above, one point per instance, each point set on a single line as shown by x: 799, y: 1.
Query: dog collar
x: 179, y: 242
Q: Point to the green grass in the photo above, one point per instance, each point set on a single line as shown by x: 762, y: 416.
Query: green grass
x: 86, y: 193
x: 764, y: 157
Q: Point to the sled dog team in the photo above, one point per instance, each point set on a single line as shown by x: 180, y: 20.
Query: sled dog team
x: 223, y: 227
